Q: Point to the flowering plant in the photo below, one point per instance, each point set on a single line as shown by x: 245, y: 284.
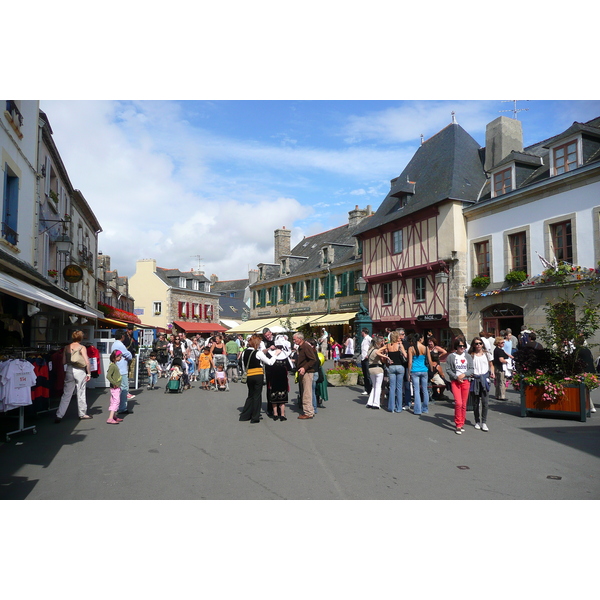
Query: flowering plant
x: 343, y: 372
x: 52, y: 272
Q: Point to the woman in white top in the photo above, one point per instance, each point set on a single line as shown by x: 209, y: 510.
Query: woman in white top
x: 349, y: 347
x: 483, y: 371
x: 76, y: 377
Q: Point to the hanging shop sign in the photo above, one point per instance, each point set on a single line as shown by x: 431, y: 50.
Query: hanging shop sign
x: 430, y: 318
x: 73, y: 273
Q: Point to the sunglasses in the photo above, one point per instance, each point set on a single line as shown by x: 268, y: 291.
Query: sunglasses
x: 478, y: 344
x: 461, y: 346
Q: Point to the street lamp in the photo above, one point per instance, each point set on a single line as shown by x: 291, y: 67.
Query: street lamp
x: 362, y: 318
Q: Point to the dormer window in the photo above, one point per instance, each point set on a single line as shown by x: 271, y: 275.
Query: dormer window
x: 195, y: 284
x: 284, y: 266
x: 565, y: 157
x: 182, y: 282
x: 503, y: 182
x: 326, y: 255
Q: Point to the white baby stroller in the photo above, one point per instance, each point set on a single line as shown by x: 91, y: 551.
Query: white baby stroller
x: 215, y: 384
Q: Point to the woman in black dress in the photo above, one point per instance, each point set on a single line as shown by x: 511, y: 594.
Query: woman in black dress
x: 278, y: 385
x: 254, y: 361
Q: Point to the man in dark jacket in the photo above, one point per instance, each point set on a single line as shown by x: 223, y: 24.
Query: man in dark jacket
x: 305, y: 363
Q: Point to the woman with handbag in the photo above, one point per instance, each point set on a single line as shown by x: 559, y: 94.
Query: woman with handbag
x: 254, y: 372
x: 77, y: 375
x: 397, y: 362
x: 376, y: 357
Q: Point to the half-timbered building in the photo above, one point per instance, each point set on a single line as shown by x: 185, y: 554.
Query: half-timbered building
x: 414, y: 246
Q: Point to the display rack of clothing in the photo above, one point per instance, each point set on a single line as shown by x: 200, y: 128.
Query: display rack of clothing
x: 17, y: 378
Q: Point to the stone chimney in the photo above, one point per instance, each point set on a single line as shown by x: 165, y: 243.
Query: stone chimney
x: 283, y: 244
x: 502, y: 136
x: 214, y: 278
x: 252, y: 276
x: 357, y: 215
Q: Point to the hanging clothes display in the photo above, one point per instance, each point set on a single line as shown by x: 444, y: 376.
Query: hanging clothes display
x: 94, y: 358
x: 17, y: 377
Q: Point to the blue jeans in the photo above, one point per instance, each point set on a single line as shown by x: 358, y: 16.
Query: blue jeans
x: 396, y: 373
x: 419, y: 380
x: 152, y: 379
x: 124, y: 392
x: 407, y: 391
x: 314, y: 391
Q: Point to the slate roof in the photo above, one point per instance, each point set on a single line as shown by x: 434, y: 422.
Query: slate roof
x: 171, y: 277
x: 232, y: 308
x: 448, y: 165
x: 542, y: 150
x: 340, y: 237
x: 233, y: 285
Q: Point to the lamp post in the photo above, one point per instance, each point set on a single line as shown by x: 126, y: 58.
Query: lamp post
x: 362, y: 318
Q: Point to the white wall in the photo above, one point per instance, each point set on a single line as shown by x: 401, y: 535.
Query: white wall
x: 580, y: 201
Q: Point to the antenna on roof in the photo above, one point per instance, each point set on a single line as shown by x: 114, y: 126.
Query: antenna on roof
x: 514, y: 110
x: 199, y: 259
x: 422, y: 139
x: 454, y: 121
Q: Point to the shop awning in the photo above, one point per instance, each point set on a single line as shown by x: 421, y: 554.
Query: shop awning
x: 25, y: 291
x: 334, y: 319
x: 113, y: 323
x: 229, y: 323
x: 189, y: 327
x: 252, y: 325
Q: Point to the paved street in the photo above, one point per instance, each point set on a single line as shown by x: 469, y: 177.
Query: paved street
x: 192, y: 446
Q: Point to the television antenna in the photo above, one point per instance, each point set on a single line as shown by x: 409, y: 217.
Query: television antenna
x: 199, y: 257
x: 514, y: 109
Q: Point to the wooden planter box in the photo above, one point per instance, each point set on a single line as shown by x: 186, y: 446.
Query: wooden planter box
x: 336, y: 380
x: 575, y: 402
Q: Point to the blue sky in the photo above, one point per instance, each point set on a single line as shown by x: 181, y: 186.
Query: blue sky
x: 173, y: 179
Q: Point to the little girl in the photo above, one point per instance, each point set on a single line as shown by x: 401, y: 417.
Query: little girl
x: 221, y: 377
x: 114, y: 377
x: 152, y: 366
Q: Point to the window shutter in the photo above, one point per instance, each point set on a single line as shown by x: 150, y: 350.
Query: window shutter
x: 330, y: 280
x: 47, y: 179
x: 187, y: 309
x: 344, y: 286
x: 180, y: 309
x: 351, y: 283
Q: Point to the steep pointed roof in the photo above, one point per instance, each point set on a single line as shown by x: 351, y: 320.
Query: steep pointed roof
x: 447, y: 166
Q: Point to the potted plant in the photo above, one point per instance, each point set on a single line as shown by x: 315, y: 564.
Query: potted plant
x: 347, y: 375
x: 52, y: 273
x: 515, y: 277
x: 480, y: 282
x: 554, y: 380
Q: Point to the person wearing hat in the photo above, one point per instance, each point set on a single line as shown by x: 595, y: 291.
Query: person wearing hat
x: 267, y: 344
x: 278, y: 382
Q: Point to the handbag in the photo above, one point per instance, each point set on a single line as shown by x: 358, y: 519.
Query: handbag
x: 244, y: 378
x: 77, y: 359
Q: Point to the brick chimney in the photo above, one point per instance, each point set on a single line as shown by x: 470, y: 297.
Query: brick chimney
x: 282, y: 245
x: 502, y: 136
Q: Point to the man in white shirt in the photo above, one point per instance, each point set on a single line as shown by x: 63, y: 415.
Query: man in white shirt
x: 364, y: 360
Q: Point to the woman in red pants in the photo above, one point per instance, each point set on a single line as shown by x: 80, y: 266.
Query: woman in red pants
x: 459, y: 369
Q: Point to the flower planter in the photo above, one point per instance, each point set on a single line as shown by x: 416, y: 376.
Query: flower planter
x: 336, y: 380
x: 575, y: 402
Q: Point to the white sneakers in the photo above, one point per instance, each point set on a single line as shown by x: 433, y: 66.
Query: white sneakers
x: 484, y: 427
x: 477, y: 426
x: 458, y: 431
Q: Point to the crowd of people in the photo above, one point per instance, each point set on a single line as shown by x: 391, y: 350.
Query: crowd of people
x: 406, y: 372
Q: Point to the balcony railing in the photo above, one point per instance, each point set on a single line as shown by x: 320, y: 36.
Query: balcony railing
x: 9, y: 234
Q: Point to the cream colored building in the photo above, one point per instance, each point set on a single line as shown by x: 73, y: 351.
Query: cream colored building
x: 167, y: 297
